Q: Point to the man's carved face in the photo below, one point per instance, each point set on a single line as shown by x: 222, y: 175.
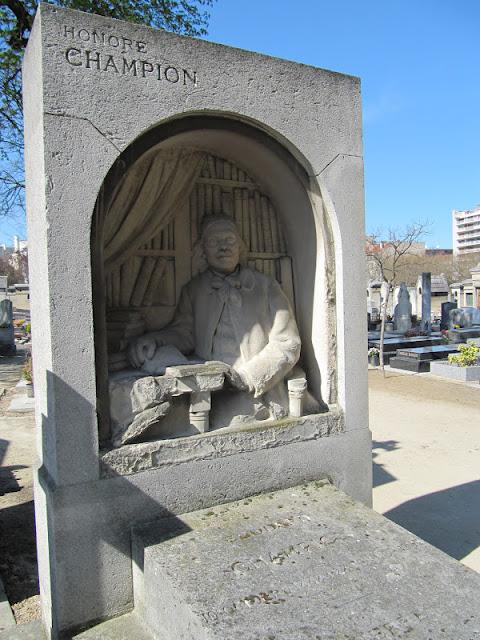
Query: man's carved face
x: 222, y: 248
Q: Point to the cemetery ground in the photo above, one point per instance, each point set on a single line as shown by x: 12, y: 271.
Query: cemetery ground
x: 426, y: 446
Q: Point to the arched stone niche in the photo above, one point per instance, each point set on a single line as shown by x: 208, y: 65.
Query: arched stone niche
x: 247, y: 174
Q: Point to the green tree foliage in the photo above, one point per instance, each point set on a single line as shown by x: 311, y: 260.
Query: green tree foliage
x: 186, y: 17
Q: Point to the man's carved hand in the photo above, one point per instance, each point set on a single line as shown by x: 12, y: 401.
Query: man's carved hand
x: 140, y: 349
x: 237, y: 380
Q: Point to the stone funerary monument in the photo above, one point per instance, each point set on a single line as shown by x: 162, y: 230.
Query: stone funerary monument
x: 195, y: 218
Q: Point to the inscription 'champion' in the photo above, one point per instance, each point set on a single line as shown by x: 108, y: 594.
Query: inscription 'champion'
x: 120, y: 65
x: 108, y: 63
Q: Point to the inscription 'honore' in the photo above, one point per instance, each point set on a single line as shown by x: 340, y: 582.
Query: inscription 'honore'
x: 120, y: 65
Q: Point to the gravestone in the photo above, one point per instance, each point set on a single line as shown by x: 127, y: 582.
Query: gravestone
x: 135, y: 140
x: 403, y: 310
x: 445, y: 319
x: 426, y: 301
x: 7, y: 332
x: 464, y: 317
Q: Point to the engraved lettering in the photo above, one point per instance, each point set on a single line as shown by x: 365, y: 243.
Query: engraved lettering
x: 175, y: 77
x: 98, y: 38
x: 129, y: 67
x: 104, y: 39
x: 147, y: 67
x: 95, y: 59
x: 70, y: 53
x: 279, y: 524
x: 69, y: 30
x: 84, y: 35
x: 110, y: 63
x: 126, y: 41
x: 193, y: 79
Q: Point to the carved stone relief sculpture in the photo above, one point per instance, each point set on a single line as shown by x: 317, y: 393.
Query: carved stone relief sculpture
x: 229, y: 354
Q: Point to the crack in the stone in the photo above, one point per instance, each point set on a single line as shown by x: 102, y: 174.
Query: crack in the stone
x: 346, y: 155
x: 66, y: 115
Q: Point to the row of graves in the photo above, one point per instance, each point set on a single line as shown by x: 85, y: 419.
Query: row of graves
x: 419, y: 348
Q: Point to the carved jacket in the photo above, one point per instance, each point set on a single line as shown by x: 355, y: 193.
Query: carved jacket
x: 262, y: 320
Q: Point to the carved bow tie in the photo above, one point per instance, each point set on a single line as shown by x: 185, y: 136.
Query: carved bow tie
x: 228, y: 289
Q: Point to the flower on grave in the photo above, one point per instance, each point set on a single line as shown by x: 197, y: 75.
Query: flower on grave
x: 373, y: 351
x: 469, y: 355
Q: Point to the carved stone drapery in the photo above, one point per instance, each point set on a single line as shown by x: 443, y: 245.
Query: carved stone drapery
x: 146, y: 200
x: 154, y: 272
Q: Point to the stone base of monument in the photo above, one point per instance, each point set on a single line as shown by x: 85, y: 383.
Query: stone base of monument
x: 306, y: 562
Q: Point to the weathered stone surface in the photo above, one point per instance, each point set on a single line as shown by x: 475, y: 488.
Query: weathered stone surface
x: 208, y: 376
x: 141, y: 424
x: 220, y: 443
x: 80, y: 116
x: 163, y: 357
x: 150, y: 391
x: 306, y: 563
x: 30, y: 631
x: 126, y: 627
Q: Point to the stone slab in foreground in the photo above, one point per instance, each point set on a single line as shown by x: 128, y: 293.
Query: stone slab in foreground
x: 304, y: 563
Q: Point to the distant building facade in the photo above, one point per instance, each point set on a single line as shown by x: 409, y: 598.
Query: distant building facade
x: 466, y: 231
x: 467, y: 292
x: 17, y: 257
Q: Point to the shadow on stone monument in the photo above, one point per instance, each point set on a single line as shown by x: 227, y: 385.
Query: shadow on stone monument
x: 90, y: 544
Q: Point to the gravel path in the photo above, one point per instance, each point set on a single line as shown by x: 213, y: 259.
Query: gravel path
x: 18, y: 560
x: 426, y: 450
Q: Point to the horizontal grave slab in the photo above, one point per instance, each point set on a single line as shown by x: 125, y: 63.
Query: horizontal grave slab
x: 427, y: 353
x: 392, y: 344
x: 302, y: 563
x: 464, y: 334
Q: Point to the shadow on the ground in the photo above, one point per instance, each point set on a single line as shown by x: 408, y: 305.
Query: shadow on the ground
x: 18, y: 554
x: 8, y: 481
x: 448, y: 519
x: 380, y: 475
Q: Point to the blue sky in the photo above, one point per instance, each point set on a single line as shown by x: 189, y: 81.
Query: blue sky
x: 419, y: 62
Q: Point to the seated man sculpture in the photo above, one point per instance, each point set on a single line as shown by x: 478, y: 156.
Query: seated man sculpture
x: 236, y: 315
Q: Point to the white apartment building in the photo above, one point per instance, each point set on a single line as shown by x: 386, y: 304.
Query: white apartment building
x: 466, y: 231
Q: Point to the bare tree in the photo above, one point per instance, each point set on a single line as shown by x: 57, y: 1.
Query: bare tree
x: 390, y: 255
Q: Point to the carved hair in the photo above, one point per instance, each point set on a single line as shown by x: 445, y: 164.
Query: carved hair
x: 209, y: 222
